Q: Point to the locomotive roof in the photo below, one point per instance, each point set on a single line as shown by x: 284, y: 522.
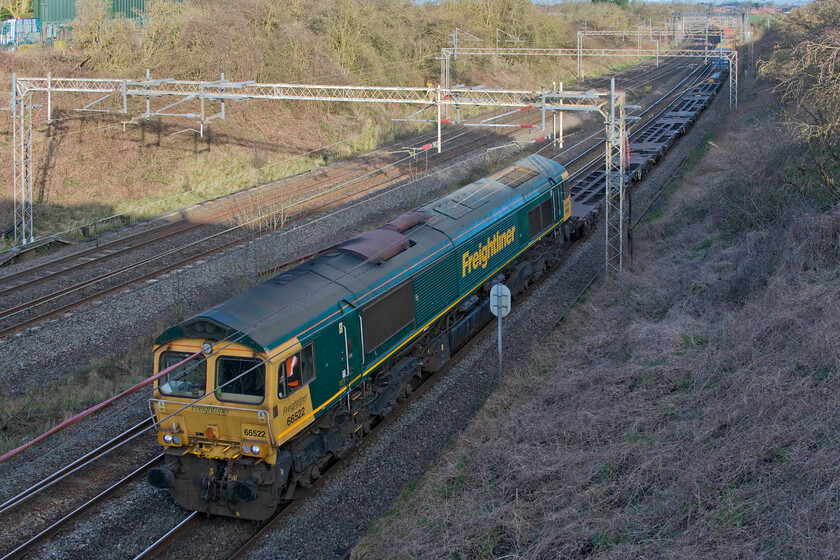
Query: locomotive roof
x: 357, y: 271
x: 472, y: 207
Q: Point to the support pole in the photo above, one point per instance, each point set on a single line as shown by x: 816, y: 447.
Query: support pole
x: 222, y: 115
x: 561, y: 119
x: 542, y: 109
x: 438, y: 121
x: 28, y: 162
x: 731, y: 78
x: 639, y: 41
x: 455, y: 45
x: 148, y: 99
x: 607, y: 181
x: 446, y: 84
x: 499, y: 346
x: 15, y: 159
x: 49, y: 98
x: 735, y: 56
x: 201, y: 124
x: 22, y: 162
x: 615, y: 152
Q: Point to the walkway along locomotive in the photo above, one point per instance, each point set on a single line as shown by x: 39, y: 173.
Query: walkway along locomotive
x: 296, y: 370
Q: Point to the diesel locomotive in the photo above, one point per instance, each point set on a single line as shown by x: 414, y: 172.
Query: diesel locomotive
x: 290, y: 375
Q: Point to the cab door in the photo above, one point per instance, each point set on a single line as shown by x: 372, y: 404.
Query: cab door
x: 351, y: 332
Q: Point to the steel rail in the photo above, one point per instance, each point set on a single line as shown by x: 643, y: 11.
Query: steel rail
x: 166, y: 540
x: 73, y: 467
x: 26, y: 547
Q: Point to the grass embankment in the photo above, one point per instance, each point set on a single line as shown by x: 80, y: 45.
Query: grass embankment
x: 86, y: 167
x: 688, y: 409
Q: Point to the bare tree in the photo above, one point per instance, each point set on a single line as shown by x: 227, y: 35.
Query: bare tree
x: 806, y: 68
x: 18, y: 8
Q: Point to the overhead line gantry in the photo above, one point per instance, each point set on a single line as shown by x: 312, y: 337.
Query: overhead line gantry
x: 190, y: 98
x: 730, y: 56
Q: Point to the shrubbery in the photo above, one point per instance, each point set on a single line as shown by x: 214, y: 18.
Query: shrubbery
x: 354, y: 41
x: 805, y: 66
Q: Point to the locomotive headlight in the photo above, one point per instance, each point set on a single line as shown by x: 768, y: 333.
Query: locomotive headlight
x: 207, y: 348
x: 167, y: 439
x: 246, y: 449
x: 176, y: 440
x: 255, y: 449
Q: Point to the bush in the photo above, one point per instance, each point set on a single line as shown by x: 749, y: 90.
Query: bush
x: 107, y: 42
x: 805, y: 66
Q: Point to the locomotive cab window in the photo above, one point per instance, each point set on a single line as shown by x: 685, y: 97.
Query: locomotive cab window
x: 540, y: 218
x: 188, y: 380
x: 295, y: 372
x: 240, y: 380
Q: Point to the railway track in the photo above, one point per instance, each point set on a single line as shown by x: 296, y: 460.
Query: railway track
x: 152, y: 551
x: 65, y: 486
x: 58, y: 286
x: 22, y: 550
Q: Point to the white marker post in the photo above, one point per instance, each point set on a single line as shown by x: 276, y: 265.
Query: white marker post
x: 500, y: 307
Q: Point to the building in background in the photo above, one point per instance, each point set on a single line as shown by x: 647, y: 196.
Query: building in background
x: 22, y: 31
x: 64, y: 11
x: 52, y: 21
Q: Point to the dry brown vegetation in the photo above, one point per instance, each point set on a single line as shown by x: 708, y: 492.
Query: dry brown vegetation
x: 806, y: 68
x: 87, y: 167
x: 687, y: 410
